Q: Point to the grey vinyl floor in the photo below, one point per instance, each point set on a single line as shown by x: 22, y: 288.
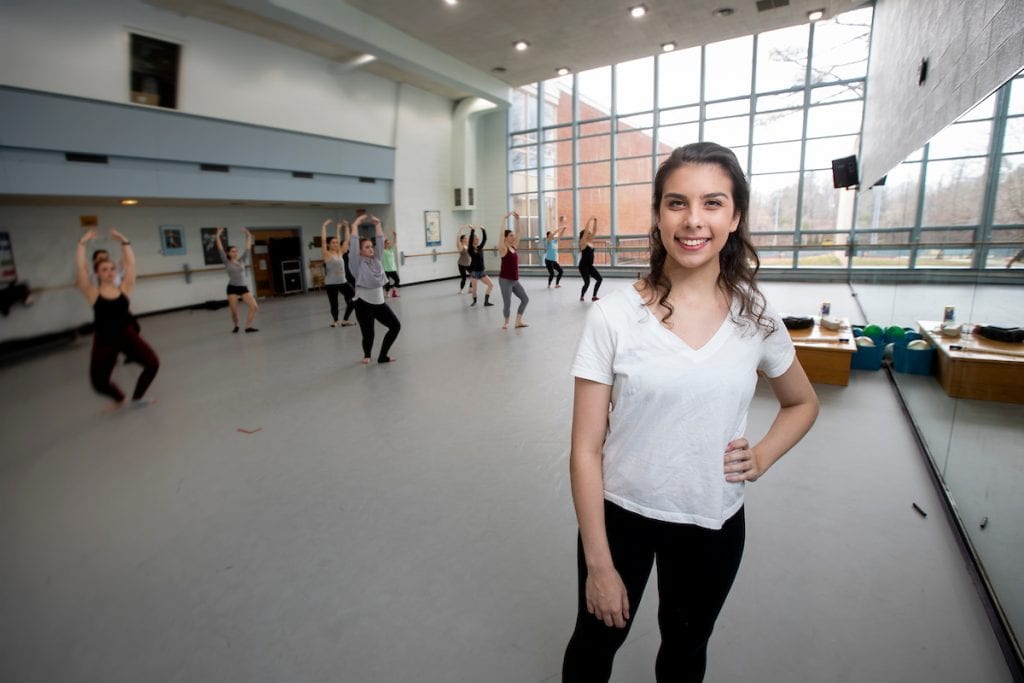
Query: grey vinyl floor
x: 413, y: 522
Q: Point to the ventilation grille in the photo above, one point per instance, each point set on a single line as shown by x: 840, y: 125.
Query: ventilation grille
x: 215, y: 168
x: 86, y: 158
x: 301, y: 174
x: 368, y: 180
x: 765, y: 5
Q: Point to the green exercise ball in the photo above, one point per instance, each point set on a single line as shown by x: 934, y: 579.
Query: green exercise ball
x: 873, y: 331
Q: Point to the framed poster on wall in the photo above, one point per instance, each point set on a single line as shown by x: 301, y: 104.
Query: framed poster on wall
x: 208, y: 236
x: 432, y: 228
x: 172, y: 240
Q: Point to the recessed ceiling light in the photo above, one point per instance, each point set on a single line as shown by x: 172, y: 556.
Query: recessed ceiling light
x: 522, y: 45
x: 815, y: 15
x: 637, y: 11
x: 668, y: 47
x: 452, y: 2
x: 723, y: 12
x: 563, y: 71
x: 129, y: 202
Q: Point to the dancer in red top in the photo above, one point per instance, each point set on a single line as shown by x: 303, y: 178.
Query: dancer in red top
x: 508, y: 278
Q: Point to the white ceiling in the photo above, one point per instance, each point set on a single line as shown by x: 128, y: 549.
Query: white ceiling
x: 579, y: 34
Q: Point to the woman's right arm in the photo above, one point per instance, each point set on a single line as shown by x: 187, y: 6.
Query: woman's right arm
x: 503, y: 243
x: 323, y: 239
x: 220, y: 246
x: 348, y: 236
x: 605, y: 592
x: 82, y: 281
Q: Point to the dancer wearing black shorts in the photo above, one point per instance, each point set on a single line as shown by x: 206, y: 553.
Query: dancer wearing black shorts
x: 476, y: 265
x: 237, y: 289
x: 551, y: 253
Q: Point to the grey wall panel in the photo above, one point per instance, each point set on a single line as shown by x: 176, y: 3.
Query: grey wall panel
x: 32, y: 172
x: 972, y: 48
x: 36, y: 120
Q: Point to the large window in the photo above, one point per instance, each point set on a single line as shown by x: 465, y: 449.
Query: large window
x: 787, y: 102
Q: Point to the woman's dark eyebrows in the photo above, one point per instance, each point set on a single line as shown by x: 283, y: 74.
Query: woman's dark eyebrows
x: 709, y: 195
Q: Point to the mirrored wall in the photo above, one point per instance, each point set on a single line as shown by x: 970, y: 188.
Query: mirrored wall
x: 958, y: 205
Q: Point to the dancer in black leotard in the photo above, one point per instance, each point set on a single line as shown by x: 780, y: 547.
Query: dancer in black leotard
x: 587, y: 269
x: 476, y: 265
x: 116, y: 331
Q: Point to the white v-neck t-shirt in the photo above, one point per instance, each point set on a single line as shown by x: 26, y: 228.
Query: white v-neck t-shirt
x: 674, y: 409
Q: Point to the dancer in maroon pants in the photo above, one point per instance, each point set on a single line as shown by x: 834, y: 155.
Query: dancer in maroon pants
x: 116, y: 331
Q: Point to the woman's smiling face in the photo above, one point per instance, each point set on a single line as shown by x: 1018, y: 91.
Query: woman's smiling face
x: 696, y: 215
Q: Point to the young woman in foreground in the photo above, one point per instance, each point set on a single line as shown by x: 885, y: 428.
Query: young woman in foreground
x: 115, y: 329
x: 660, y: 477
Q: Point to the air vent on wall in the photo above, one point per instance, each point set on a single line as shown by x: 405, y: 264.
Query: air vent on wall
x: 367, y: 180
x: 86, y: 158
x: 215, y: 168
x: 765, y: 5
x: 301, y: 174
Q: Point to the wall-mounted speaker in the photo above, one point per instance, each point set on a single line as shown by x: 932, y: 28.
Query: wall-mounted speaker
x: 844, y: 172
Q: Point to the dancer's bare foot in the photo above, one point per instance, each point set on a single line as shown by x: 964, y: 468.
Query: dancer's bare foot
x: 142, y: 402
x: 387, y: 359
x: 521, y: 324
x: 505, y: 326
x: 113, y: 407
x: 366, y: 361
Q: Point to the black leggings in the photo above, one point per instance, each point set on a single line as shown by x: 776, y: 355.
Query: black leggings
x: 586, y: 272
x: 332, y: 296
x: 349, y: 292
x: 552, y: 267
x: 104, y: 358
x: 366, y: 314
x: 696, y: 568
x: 464, y: 274
x: 392, y: 275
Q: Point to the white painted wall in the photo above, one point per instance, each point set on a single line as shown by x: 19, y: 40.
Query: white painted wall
x: 972, y: 46
x: 81, y: 48
x: 423, y: 182
x: 44, y: 251
x: 234, y: 76
x: 491, y: 130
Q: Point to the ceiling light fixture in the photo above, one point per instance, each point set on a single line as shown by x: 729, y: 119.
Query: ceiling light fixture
x: 522, y: 45
x: 452, y: 2
x: 668, y: 47
x: 562, y: 71
x: 129, y: 202
x: 637, y: 11
x: 723, y: 12
x: 815, y: 15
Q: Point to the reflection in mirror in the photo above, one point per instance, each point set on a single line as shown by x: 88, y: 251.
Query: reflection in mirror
x: 954, y: 215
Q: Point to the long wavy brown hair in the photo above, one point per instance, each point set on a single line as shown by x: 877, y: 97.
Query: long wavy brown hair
x: 738, y: 260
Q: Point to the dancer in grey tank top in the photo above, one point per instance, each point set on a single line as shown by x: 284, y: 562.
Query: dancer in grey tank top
x: 237, y: 289
x: 333, y: 251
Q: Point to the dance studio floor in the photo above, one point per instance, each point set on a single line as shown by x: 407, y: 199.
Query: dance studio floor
x: 284, y: 513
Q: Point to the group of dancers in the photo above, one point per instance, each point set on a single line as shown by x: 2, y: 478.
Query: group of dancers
x: 364, y: 279
x: 471, y: 264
